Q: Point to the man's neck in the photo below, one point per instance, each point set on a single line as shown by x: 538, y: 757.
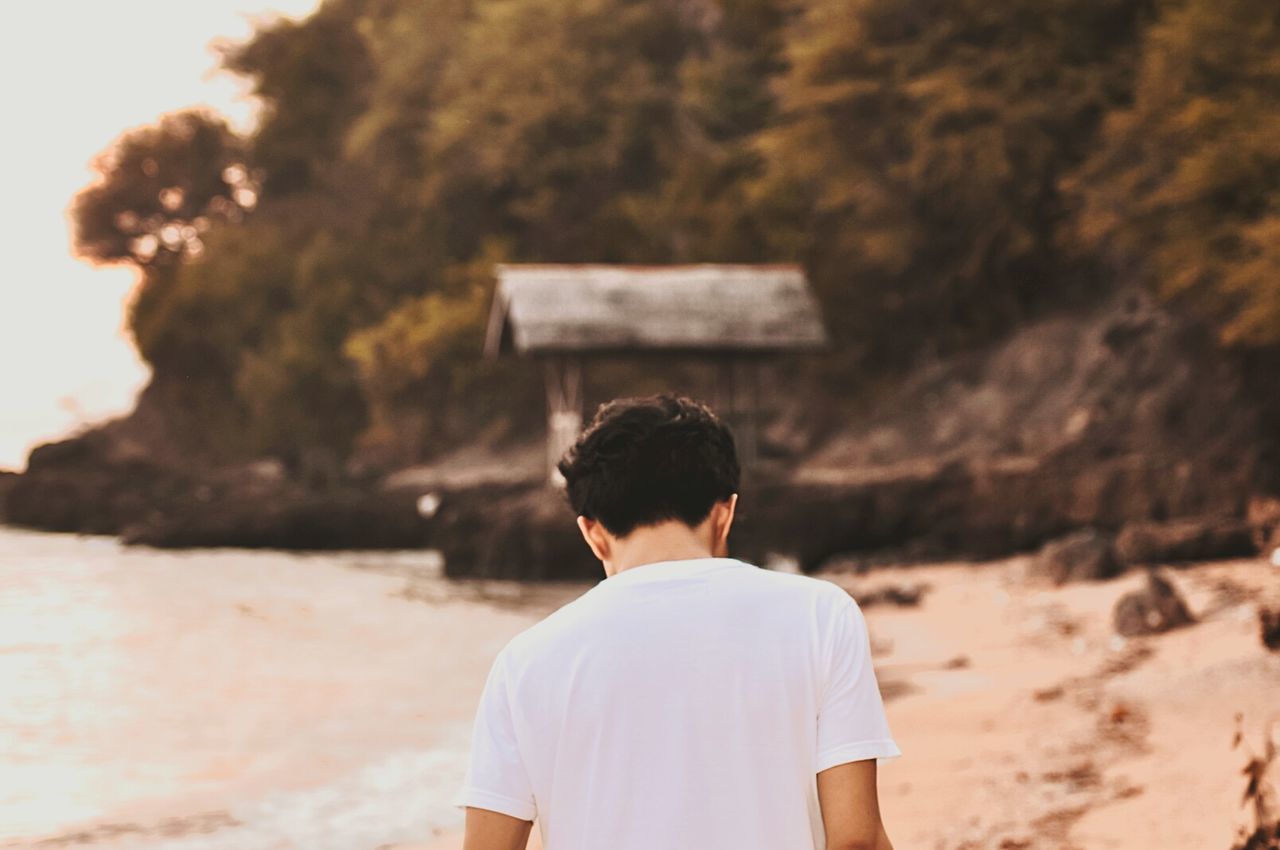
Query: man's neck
x: 669, y: 541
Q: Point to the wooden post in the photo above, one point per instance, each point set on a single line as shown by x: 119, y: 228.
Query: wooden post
x: 564, y: 410
x: 735, y: 398
x: 749, y: 448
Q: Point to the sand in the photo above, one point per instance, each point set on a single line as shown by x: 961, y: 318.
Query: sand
x: 1026, y: 723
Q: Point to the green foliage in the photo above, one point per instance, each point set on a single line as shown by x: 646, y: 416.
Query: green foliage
x: 915, y: 162
x: 162, y: 188
x: 553, y: 114
x: 205, y: 313
x: 943, y: 168
x: 400, y: 353
x: 1185, y: 188
x: 312, y: 79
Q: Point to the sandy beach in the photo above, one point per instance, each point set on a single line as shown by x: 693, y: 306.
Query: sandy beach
x: 1026, y: 722
x: 224, y: 700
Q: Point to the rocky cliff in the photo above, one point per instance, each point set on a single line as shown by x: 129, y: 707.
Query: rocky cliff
x: 1101, y: 418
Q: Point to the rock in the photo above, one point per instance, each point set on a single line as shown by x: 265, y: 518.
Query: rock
x: 1264, y: 520
x: 518, y: 532
x: 953, y: 509
x: 1191, y: 539
x: 1084, y: 555
x: 902, y: 597
x: 80, y: 485
x: 1156, y: 608
x: 1265, y: 837
x: 287, y: 519
x: 8, y: 479
x: 1269, y: 623
x: 90, y: 484
x: 899, y: 596
x: 1263, y: 514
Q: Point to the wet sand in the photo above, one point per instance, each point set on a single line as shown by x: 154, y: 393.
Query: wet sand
x: 231, y: 700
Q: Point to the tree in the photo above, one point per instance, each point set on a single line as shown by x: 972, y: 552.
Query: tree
x: 1184, y: 191
x: 161, y: 189
x: 312, y: 78
x: 915, y: 162
x: 943, y: 168
x: 550, y: 120
x: 422, y: 372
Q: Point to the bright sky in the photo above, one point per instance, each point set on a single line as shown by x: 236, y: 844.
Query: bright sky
x: 74, y: 76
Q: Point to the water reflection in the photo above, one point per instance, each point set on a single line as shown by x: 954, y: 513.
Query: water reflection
x: 228, y: 699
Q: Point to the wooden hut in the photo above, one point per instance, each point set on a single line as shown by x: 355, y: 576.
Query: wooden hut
x: 734, y: 315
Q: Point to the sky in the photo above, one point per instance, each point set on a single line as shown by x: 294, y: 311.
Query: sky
x: 73, y: 77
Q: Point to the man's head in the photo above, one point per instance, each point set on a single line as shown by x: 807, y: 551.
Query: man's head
x: 658, y: 462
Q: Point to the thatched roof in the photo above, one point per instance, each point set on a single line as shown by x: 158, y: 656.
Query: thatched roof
x: 543, y: 309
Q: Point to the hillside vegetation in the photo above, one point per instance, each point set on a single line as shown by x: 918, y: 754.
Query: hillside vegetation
x: 946, y: 171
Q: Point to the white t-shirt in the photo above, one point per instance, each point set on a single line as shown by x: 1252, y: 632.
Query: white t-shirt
x: 679, y: 705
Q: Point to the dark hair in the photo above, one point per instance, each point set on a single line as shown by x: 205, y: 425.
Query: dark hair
x: 645, y: 460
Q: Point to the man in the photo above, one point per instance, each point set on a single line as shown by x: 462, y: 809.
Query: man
x: 689, y: 701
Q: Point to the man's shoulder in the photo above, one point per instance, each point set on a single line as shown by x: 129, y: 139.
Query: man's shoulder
x: 558, y: 623
x: 797, y: 584
x: 566, y: 627
x: 806, y: 598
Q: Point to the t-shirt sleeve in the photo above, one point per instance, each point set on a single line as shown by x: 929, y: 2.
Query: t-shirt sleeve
x: 496, y: 777
x: 851, y: 721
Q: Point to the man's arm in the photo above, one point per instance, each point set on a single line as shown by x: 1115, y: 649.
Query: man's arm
x: 488, y: 830
x: 499, y: 801
x: 851, y: 808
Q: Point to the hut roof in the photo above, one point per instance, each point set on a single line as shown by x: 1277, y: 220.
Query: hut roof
x: 732, y: 308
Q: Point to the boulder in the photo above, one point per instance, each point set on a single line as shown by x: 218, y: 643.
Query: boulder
x: 1264, y: 519
x: 77, y: 485
x: 1263, y: 515
x: 899, y: 596
x: 1269, y: 623
x: 1084, y: 555
x: 8, y: 480
x: 1188, y: 539
x: 1265, y: 837
x: 518, y: 532
x: 1157, y: 607
x: 286, y: 519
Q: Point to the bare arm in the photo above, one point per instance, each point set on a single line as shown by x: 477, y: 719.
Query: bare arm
x: 851, y: 807
x: 488, y: 830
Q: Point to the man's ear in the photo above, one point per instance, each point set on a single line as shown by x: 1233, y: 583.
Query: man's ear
x: 597, y: 538
x: 722, y: 514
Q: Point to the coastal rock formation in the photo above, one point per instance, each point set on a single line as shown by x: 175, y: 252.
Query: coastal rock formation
x: 8, y: 479
x: 293, y: 519
x: 1080, y: 556
x: 86, y: 484
x: 1115, y: 418
x: 1156, y: 608
x: 511, y: 532
x: 1269, y: 626
x: 1189, y: 539
x: 94, y: 484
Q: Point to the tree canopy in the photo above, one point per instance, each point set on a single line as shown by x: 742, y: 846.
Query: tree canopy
x: 1185, y: 187
x: 943, y: 170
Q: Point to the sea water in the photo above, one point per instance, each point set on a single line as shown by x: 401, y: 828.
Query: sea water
x: 238, y: 699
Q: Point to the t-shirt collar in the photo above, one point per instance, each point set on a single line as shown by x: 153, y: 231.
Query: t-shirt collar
x: 659, y: 570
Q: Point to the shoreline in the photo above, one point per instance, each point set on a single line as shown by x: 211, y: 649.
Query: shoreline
x: 1024, y: 720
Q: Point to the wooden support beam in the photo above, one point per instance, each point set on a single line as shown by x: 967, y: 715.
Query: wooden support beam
x: 563, y: 376
x: 750, y: 418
